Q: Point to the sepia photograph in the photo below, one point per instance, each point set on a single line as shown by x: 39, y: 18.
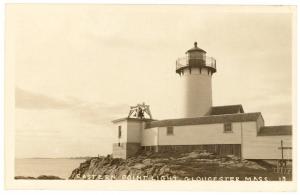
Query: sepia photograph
x: 197, y: 94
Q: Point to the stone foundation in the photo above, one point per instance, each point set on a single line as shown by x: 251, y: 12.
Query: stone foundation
x: 218, y: 149
x: 125, y: 150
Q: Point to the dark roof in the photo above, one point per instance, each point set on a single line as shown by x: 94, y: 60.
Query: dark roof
x: 195, y: 48
x: 275, y: 130
x: 132, y: 119
x: 230, y: 109
x: 205, y: 120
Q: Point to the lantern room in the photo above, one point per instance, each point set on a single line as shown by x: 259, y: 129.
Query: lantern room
x: 196, y: 58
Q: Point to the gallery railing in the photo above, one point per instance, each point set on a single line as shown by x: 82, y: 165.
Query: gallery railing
x: 207, y: 61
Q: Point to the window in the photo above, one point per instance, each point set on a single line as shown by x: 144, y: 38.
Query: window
x: 120, y: 131
x: 170, y: 131
x: 227, y: 127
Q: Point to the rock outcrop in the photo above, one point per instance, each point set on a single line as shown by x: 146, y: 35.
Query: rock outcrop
x: 41, y: 177
x: 197, y: 165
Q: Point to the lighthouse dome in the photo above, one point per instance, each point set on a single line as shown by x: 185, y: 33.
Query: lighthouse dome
x: 195, y: 49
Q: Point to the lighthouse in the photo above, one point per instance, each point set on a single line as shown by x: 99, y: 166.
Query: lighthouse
x: 195, y: 71
x: 222, y: 130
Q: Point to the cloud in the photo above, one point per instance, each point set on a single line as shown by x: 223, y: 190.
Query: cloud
x: 91, y: 112
x: 29, y: 100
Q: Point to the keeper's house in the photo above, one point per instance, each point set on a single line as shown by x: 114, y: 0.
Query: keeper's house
x: 219, y: 129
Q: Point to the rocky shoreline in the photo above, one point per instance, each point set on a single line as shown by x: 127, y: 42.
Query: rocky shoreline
x: 41, y: 177
x: 197, y: 165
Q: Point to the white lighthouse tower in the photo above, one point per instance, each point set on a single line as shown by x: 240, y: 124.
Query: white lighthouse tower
x: 196, y: 70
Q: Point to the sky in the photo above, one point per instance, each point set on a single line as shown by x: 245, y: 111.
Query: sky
x: 78, y: 67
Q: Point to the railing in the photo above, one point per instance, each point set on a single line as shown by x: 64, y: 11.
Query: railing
x: 207, y: 61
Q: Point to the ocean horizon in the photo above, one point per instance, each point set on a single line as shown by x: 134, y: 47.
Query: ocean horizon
x: 34, y: 167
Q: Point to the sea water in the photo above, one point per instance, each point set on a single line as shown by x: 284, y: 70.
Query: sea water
x: 34, y: 167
